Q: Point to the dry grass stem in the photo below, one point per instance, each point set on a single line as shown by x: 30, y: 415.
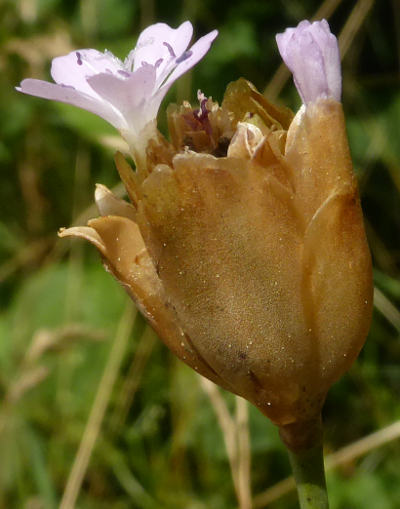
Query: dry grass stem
x: 364, y: 445
x: 98, y: 410
x: 29, y: 378
x: 244, y: 453
x: 236, y: 438
x: 353, y: 24
x: 385, y: 306
x: 28, y: 10
x: 132, y: 382
x: 38, y: 49
x: 227, y: 425
x: 345, y: 455
x: 45, y: 340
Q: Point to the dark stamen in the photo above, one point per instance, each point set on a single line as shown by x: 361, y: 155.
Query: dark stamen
x: 203, y: 107
x: 184, y: 56
x: 158, y: 63
x: 201, y: 114
x: 170, y: 49
x: 79, y: 58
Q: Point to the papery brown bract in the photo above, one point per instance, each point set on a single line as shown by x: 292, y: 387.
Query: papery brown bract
x: 253, y: 266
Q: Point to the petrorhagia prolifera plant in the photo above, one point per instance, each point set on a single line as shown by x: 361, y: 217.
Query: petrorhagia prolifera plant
x: 243, y: 243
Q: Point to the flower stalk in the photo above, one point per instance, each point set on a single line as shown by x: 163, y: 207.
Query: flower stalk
x: 309, y: 473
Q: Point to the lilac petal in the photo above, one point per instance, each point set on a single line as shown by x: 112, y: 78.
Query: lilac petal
x: 160, y: 41
x: 328, y: 45
x: 102, y: 84
x: 306, y: 62
x: 131, y: 96
x: 312, y: 54
x: 74, y: 68
x: 283, y: 40
x: 197, y: 52
x: 69, y: 95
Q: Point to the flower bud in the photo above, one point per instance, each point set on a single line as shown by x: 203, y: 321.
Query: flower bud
x: 311, y: 52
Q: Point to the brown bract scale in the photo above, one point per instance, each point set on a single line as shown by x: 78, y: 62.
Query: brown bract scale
x: 245, y: 249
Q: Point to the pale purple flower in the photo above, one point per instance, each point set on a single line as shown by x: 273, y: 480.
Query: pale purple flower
x: 311, y: 52
x: 127, y: 94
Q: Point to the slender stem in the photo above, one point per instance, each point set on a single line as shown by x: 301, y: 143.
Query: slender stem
x: 309, y: 474
x: 343, y: 456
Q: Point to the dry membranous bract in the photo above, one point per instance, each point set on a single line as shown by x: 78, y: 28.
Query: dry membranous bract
x: 243, y: 243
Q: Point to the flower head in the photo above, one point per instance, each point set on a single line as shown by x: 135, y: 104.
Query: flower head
x: 126, y: 94
x: 244, y: 247
x: 312, y: 54
x: 244, y: 244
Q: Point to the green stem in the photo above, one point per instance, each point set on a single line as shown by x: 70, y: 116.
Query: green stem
x: 309, y: 474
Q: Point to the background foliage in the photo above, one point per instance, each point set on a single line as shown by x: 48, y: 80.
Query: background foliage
x: 63, y: 320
